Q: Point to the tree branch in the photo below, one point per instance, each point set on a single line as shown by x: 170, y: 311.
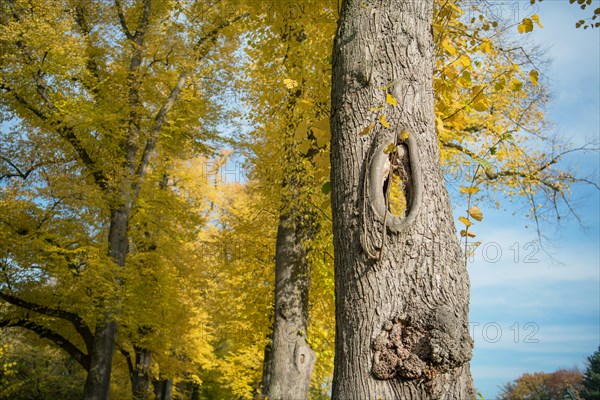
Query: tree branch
x: 66, y: 132
x: 91, y: 65
x: 122, y: 20
x: 18, y: 173
x: 46, y: 333
x: 162, y: 114
x: 127, y: 356
x: 78, y: 323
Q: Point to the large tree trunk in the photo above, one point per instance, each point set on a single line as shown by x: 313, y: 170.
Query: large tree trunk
x: 97, y: 384
x: 401, y: 310
x: 289, y: 361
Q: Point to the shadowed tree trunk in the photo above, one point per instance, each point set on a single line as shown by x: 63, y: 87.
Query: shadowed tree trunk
x: 97, y: 384
x: 163, y: 389
x: 402, y: 289
x: 140, y: 376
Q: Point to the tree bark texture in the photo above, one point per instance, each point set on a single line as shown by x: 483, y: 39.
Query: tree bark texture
x: 289, y: 361
x: 140, y: 376
x: 163, y: 389
x: 402, y: 289
x: 97, y: 384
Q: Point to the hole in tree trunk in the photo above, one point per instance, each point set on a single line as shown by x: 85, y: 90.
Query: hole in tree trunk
x: 397, y: 184
x: 398, y: 206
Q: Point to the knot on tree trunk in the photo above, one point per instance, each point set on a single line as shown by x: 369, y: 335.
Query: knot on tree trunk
x: 406, y: 349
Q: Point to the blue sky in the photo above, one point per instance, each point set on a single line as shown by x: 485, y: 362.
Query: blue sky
x: 531, y: 311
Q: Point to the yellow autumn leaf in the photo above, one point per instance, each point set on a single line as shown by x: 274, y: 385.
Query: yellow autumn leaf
x: 383, y: 121
x: 464, y: 233
x: 536, y: 19
x: 533, y: 76
x: 367, y: 130
x: 465, y: 221
x: 465, y: 60
x: 486, y: 46
x: 301, y: 130
x: 449, y: 47
x: 304, y: 104
x: 468, y: 190
x: 516, y: 85
x: 480, y: 105
x: 475, y: 213
x: 389, y: 148
x: 391, y: 100
x: 404, y: 134
x: 525, y: 26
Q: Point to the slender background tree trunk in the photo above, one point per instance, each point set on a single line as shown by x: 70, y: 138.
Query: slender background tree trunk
x: 140, y: 376
x: 401, y: 316
x: 289, y: 361
x: 163, y: 389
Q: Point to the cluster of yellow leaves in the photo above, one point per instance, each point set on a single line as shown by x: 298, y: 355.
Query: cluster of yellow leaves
x: 490, y: 108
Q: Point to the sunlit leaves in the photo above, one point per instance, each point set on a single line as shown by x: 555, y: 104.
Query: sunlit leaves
x: 449, y: 47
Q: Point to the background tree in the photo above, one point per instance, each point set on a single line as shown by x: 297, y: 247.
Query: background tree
x: 591, y: 378
x: 113, y: 86
x: 288, y: 152
x: 556, y: 385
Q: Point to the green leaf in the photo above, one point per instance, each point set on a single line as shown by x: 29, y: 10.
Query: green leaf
x: 326, y: 188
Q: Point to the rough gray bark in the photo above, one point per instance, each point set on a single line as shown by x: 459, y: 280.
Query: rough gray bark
x: 401, y: 311
x: 289, y: 360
